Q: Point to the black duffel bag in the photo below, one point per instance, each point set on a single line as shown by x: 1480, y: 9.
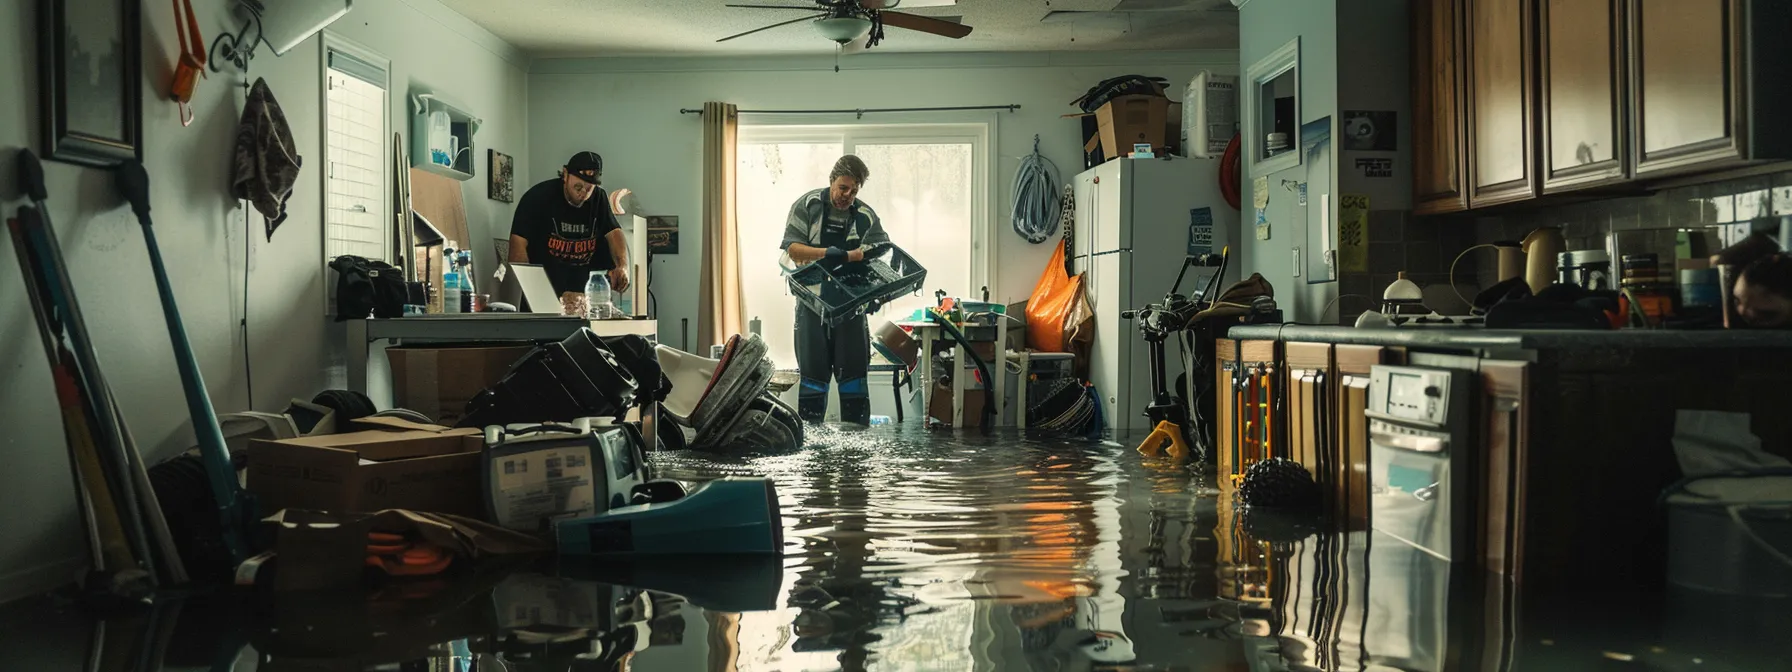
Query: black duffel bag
x: 367, y: 287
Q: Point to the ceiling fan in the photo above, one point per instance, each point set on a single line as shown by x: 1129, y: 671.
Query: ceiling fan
x: 844, y: 21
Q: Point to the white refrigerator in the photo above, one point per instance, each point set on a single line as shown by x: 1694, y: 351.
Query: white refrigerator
x: 1134, y: 223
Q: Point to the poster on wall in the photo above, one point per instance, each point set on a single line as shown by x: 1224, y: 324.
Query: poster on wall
x: 90, y: 68
x: 499, y: 170
x: 1353, y: 233
x: 1369, y: 131
x: 662, y: 234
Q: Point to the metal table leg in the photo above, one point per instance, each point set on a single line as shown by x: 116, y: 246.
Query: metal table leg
x: 356, y: 353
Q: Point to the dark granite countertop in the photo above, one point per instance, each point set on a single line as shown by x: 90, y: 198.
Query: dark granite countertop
x: 1515, y: 339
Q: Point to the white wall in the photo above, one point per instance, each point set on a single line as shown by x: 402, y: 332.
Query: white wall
x: 627, y: 110
x: 1264, y: 26
x: 295, y: 350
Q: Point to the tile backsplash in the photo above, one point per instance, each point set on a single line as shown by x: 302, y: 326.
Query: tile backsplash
x: 1720, y: 213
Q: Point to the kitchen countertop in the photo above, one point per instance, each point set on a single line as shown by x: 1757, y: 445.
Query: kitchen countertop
x: 1515, y: 339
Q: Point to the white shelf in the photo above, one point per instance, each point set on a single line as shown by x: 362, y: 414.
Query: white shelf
x: 462, y: 127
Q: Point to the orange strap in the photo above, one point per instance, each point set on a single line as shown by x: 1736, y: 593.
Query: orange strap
x: 190, y: 66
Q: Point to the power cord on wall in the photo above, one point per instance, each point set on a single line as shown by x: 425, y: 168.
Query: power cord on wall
x: 248, y: 370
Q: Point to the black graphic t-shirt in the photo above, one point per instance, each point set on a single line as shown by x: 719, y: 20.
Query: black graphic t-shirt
x: 567, y: 241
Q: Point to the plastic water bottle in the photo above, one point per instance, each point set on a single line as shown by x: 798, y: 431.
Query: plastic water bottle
x: 466, y: 289
x: 877, y: 420
x: 451, y: 293
x: 597, y: 297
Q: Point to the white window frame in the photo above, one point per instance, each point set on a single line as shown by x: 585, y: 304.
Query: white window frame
x: 332, y: 42
x: 978, y: 130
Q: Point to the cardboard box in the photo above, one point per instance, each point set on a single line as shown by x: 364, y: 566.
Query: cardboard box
x: 939, y: 404
x: 438, y: 382
x: 388, y: 464
x: 1129, y: 120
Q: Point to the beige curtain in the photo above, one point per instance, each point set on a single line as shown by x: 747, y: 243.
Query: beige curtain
x: 719, y: 300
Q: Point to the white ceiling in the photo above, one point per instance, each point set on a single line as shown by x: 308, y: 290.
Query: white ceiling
x: 579, y: 28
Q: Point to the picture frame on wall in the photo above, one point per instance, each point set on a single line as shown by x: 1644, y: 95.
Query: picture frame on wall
x: 501, y: 176
x: 91, y: 75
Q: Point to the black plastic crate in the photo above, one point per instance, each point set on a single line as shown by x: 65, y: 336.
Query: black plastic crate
x: 882, y: 279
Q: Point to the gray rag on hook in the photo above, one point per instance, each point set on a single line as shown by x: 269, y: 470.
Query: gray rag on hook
x: 267, y: 161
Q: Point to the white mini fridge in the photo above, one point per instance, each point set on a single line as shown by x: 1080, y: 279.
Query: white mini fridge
x: 1137, y: 220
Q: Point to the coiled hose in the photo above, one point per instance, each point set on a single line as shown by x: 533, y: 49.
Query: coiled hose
x: 1036, y: 205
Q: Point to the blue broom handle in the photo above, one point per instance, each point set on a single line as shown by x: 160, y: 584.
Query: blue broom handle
x: 205, y: 420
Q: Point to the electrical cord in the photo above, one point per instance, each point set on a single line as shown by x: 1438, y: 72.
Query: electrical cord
x: 1458, y: 260
x: 1036, y: 205
x: 248, y: 370
x: 1336, y: 299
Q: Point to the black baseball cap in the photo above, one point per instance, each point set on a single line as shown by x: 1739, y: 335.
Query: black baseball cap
x: 587, y: 166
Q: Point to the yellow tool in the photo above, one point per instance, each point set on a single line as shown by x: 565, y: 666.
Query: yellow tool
x: 1166, y: 431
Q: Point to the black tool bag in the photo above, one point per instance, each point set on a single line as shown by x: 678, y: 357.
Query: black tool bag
x: 367, y: 287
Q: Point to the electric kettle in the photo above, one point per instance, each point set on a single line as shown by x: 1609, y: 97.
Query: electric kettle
x: 1541, y: 249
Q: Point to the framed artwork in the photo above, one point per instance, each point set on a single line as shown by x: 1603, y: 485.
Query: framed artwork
x: 502, y: 181
x: 90, y: 66
x: 662, y: 234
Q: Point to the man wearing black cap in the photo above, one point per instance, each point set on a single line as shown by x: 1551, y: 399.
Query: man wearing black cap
x: 566, y: 226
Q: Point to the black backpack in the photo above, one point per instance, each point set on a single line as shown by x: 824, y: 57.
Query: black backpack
x: 367, y: 287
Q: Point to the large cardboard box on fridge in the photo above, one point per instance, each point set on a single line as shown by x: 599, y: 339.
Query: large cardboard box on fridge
x: 439, y: 381
x: 388, y: 463
x: 1129, y: 120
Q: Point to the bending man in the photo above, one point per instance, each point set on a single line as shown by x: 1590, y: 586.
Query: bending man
x: 830, y: 226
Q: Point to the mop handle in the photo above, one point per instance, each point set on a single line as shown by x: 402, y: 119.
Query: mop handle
x: 199, y: 404
x: 134, y: 182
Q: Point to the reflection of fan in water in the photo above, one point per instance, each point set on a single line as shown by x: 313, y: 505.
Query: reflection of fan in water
x: 846, y: 21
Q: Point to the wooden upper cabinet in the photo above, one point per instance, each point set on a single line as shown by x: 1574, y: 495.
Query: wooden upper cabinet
x: 1688, y: 94
x: 1439, y: 182
x: 1581, y: 78
x: 1501, y: 115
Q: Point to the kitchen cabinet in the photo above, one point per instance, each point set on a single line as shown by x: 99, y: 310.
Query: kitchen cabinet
x: 1581, y: 73
x: 1310, y: 374
x: 1505, y: 410
x: 1350, y: 466
x: 1709, y: 83
x: 1501, y: 118
x: 1438, y: 152
x: 1513, y: 99
x: 1312, y: 413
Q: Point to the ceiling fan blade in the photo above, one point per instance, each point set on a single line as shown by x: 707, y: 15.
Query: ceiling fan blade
x: 926, y: 24
x: 809, y: 8
x: 905, y: 4
x: 775, y: 25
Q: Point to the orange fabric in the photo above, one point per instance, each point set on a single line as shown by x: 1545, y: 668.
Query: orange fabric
x: 1053, y: 301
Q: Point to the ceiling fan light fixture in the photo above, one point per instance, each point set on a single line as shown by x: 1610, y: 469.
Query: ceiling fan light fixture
x: 843, y: 29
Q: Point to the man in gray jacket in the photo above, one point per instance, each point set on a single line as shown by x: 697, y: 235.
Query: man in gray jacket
x: 830, y: 226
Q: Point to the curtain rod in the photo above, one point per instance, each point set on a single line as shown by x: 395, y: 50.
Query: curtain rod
x: 863, y: 111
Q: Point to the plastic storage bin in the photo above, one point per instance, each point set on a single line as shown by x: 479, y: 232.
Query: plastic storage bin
x: 851, y: 288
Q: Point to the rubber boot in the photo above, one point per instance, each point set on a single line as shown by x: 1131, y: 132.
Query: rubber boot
x: 812, y: 401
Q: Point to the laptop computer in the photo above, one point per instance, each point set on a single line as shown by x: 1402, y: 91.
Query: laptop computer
x: 538, y: 292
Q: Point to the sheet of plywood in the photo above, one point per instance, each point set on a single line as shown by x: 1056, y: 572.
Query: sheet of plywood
x: 438, y: 199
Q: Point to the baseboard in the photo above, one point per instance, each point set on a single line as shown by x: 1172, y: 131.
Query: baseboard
x: 40, y: 579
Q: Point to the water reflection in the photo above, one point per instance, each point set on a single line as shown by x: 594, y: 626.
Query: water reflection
x: 908, y: 550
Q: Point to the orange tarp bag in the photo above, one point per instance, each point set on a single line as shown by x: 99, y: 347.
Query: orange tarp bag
x: 1059, y: 318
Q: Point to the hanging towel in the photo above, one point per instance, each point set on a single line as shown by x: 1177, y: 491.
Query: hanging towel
x: 267, y: 161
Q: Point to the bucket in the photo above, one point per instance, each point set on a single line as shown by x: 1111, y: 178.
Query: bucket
x: 1732, y: 534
